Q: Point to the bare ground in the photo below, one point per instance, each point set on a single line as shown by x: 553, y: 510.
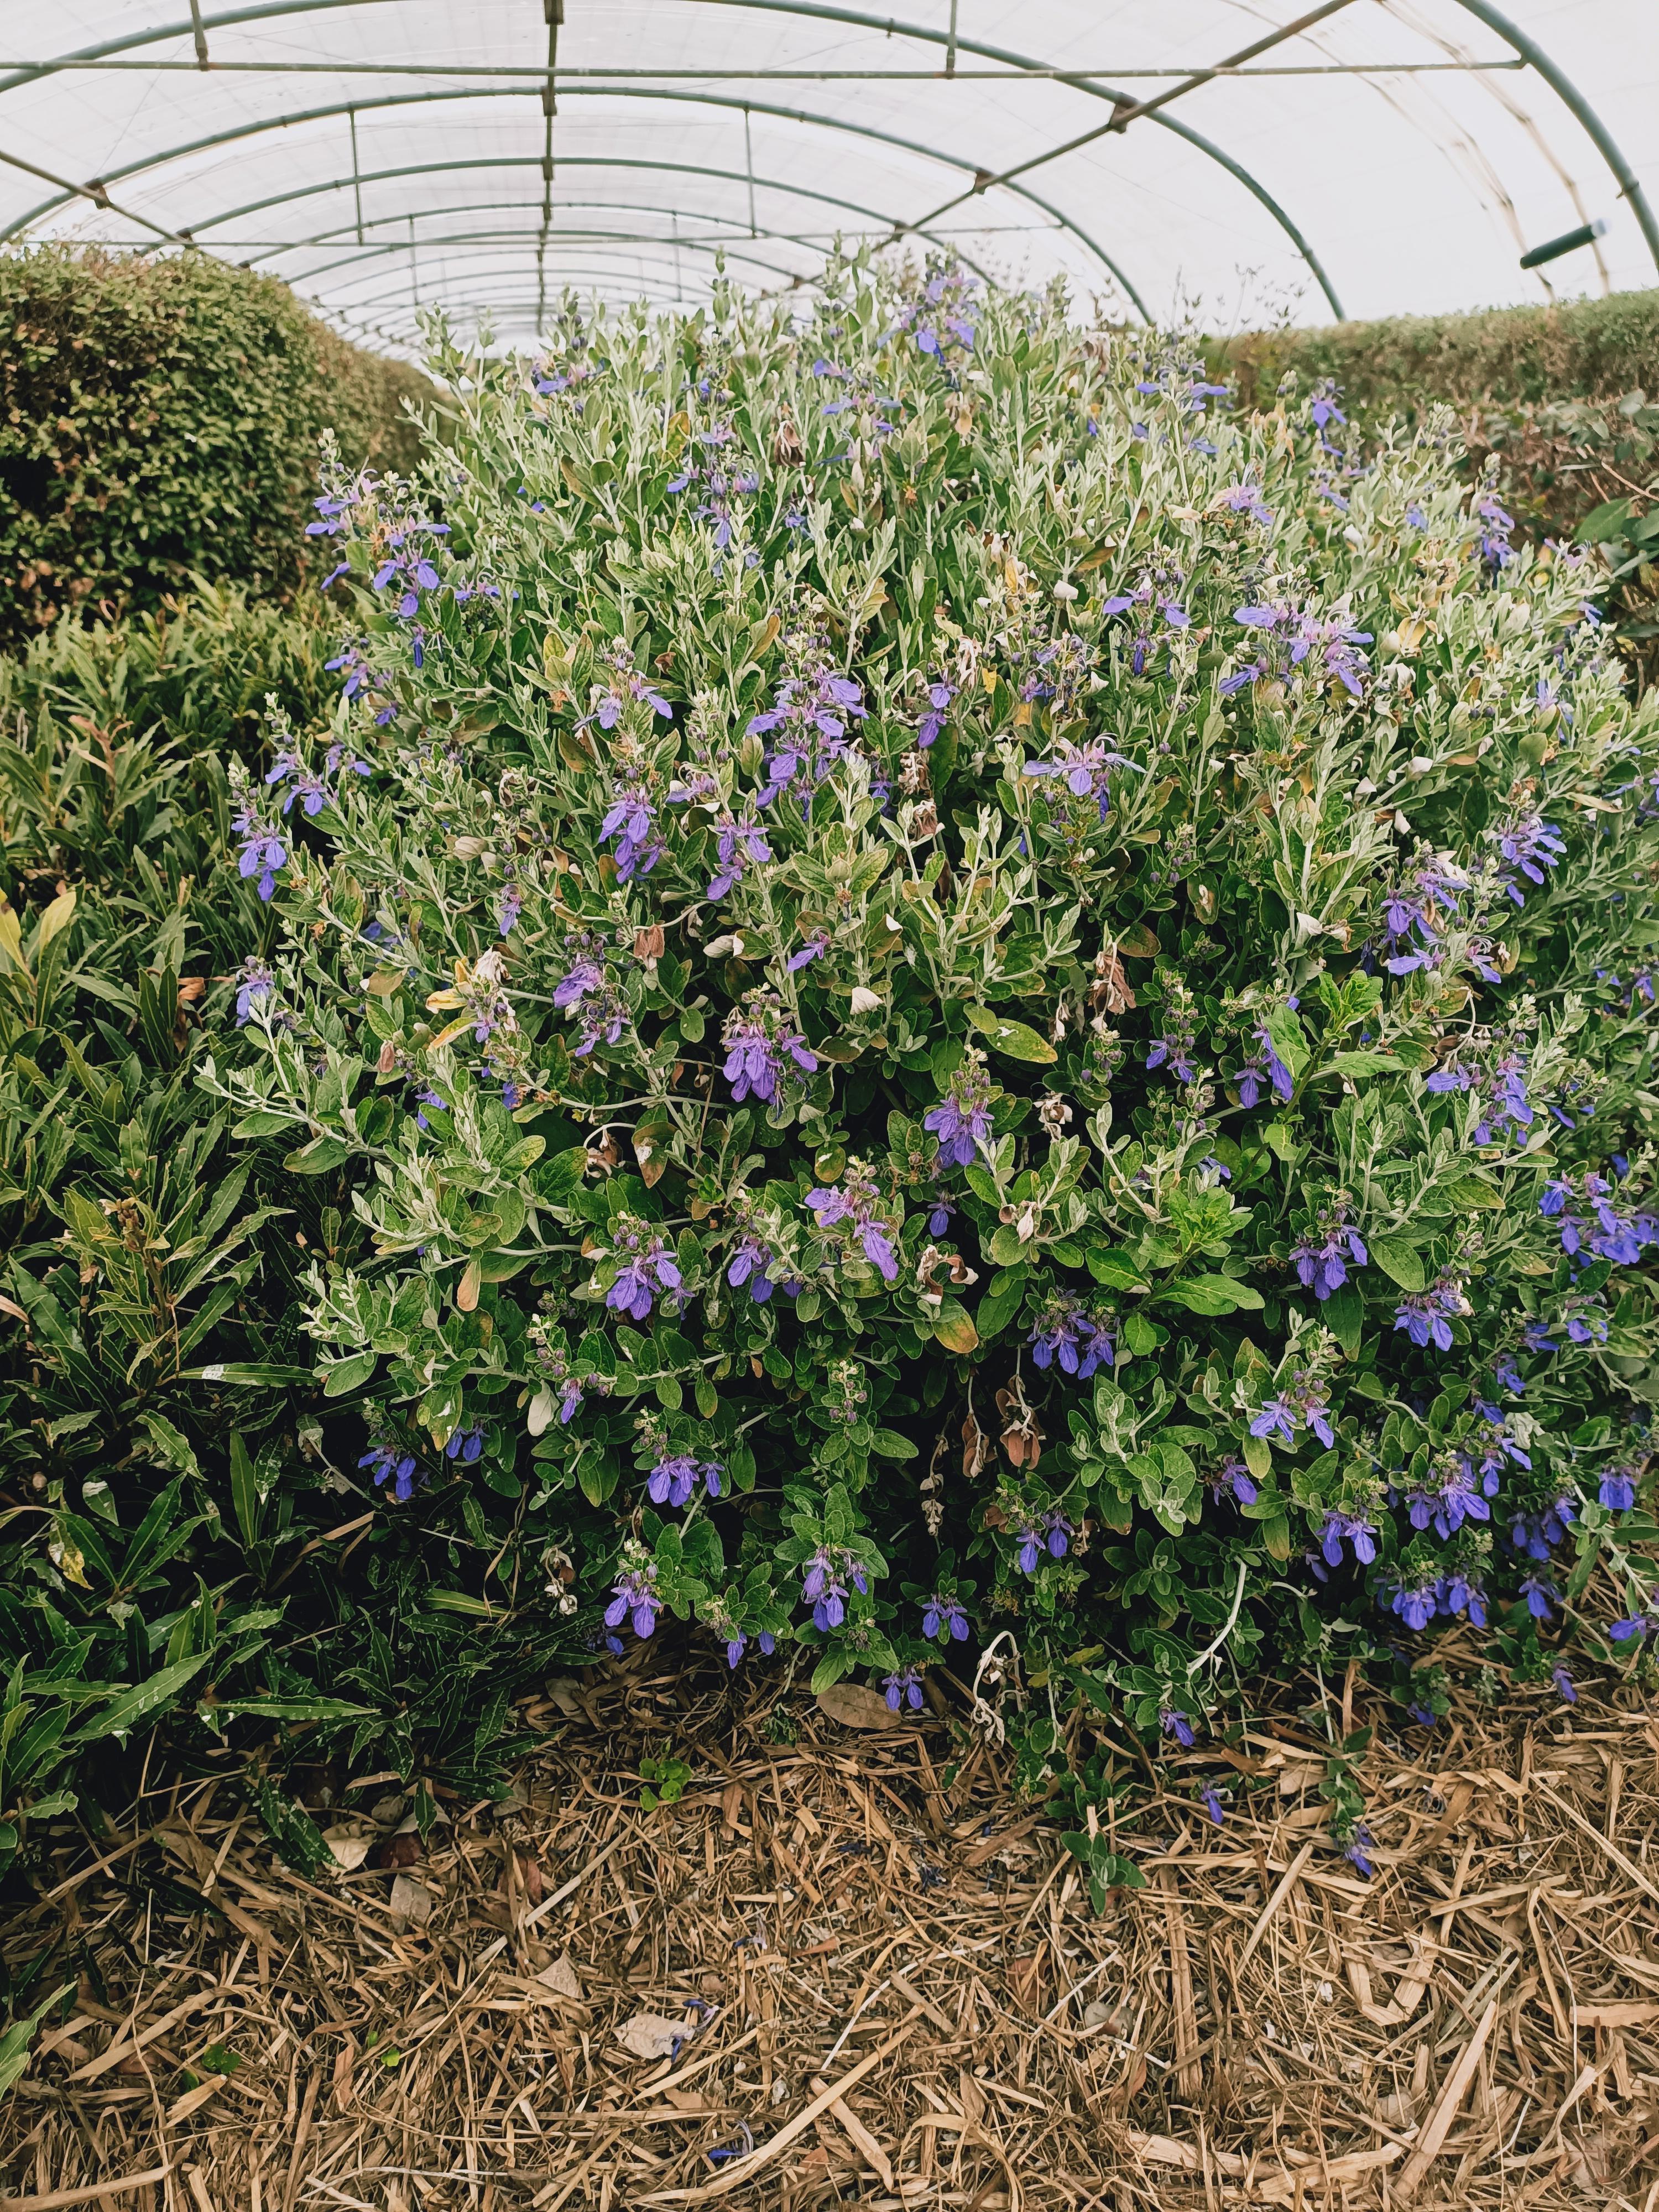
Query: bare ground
x: 851, y: 1966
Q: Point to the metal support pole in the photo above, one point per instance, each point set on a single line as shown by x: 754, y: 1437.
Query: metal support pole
x: 356, y: 175
x: 553, y: 11
x: 951, y: 48
x: 200, y: 31
x: 1630, y: 187
x: 749, y: 166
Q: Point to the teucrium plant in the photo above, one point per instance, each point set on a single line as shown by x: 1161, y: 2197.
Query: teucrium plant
x: 971, y: 992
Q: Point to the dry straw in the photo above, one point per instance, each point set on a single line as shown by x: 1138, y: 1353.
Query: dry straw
x: 832, y: 1974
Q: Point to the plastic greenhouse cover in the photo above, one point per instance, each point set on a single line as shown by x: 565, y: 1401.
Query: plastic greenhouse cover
x: 1385, y: 156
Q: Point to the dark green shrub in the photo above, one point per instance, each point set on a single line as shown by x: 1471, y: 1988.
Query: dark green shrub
x: 1507, y: 356
x: 159, y: 419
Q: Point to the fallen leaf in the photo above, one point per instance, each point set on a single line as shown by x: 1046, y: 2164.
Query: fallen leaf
x: 193, y: 2099
x: 560, y: 1977
x: 855, y: 1707
x: 350, y: 1851
x: 648, y: 2035
x: 411, y: 1902
x: 400, y: 1851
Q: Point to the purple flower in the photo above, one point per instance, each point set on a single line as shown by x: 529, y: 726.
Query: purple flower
x: 740, y: 845
x: 939, y: 696
x: 760, y: 1049
x: 630, y: 820
x: 1617, y: 1489
x: 1246, y: 499
x: 1350, y: 1527
x: 263, y: 851
x: 1415, y: 1602
x: 676, y: 1475
x: 1358, y: 1849
x: 1323, y: 1266
x: 648, y: 1271
x: 942, y: 1620
x: 1493, y: 541
x: 962, y: 1122
x: 388, y: 1463
x: 465, y: 1444
x: 1175, y: 1723
x: 1427, y: 1315
x: 814, y: 949
x: 855, y: 1203
x: 1058, y: 1532
x: 1232, y: 1479
x: 1529, y: 845
x: 1293, y: 640
x: 1540, y: 1594
x: 1464, y: 1593
x: 825, y: 1583
x: 903, y: 1687
x: 255, y: 981
x: 1563, y: 1682
x: 1067, y: 1331
x: 1276, y: 1419
x: 633, y: 1599
x: 1265, y: 1061
x: 1211, y: 1797
x: 752, y: 1262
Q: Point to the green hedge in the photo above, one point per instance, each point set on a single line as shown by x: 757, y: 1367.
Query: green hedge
x: 1556, y: 409
x: 1507, y: 356
x: 158, y: 419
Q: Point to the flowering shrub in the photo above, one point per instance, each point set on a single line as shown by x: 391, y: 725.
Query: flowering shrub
x: 949, y: 988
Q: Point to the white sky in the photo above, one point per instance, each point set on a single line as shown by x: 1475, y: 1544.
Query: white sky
x: 1417, y: 190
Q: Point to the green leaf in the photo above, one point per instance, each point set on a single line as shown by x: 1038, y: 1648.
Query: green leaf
x: 1013, y: 1038
x: 246, y: 1494
x: 255, y: 1372
x: 346, y: 1374
x: 145, y: 1697
x: 289, y: 1708
x: 1211, y: 1294
x: 1365, y: 1062
x: 262, y: 1124
x: 1399, y: 1261
x: 1284, y: 1034
x: 1474, y: 1190
x: 1344, y: 1313
x: 890, y: 1445
x: 14, y: 2042
x: 317, y: 1156
x: 1116, y: 1270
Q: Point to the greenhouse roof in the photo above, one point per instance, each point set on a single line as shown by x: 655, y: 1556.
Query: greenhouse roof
x: 1233, y: 158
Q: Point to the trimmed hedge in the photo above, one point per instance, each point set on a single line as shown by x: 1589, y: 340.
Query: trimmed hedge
x: 1506, y: 357
x: 1557, y: 417
x: 158, y: 420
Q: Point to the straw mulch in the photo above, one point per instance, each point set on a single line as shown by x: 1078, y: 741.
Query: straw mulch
x: 851, y: 1966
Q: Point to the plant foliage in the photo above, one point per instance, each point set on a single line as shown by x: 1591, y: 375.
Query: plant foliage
x: 925, y: 1000
x: 942, y: 989
x: 159, y: 419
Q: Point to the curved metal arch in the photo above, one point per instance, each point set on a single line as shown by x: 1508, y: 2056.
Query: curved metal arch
x: 565, y: 242
x: 738, y: 224
x: 825, y: 11
x: 396, y: 321
x: 575, y: 92
x: 533, y: 161
x: 1630, y: 185
x: 324, y: 238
